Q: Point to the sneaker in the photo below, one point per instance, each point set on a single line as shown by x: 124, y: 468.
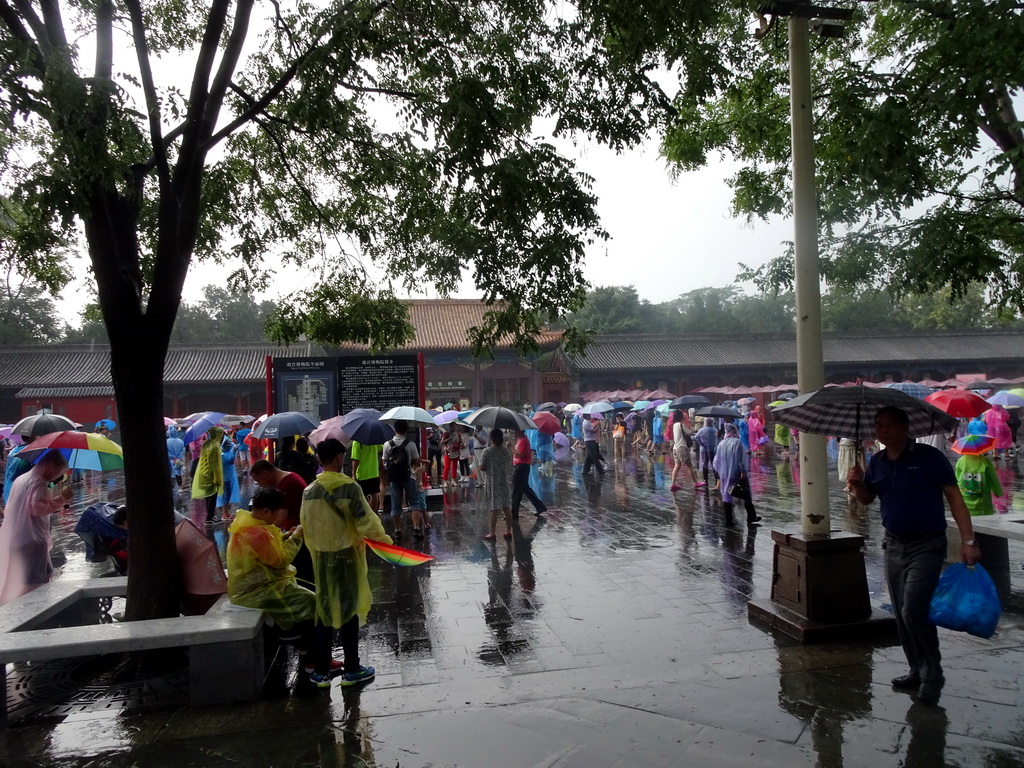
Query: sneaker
x: 319, y: 680
x: 337, y: 665
x: 417, y: 533
x: 357, y: 676
x: 675, y: 488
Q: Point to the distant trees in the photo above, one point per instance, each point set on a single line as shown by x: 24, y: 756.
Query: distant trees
x: 619, y: 310
x: 27, y: 314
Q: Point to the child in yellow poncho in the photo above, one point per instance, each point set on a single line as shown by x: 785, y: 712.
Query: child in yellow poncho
x: 208, y: 480
x: 260, y: 573
x: 336, y: 519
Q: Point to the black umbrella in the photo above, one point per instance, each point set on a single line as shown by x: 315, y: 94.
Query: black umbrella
x: 496, y: 417
x: 43, y: 424
x: 552, y: 407
x: 850, y: 412
x: 719, y: 411
x: 689, y: 401
x: 980, y: 385
x: 285, y: 424
x: 786, y: 396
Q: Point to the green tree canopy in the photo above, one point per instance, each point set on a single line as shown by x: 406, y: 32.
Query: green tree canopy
x: 919, y: 149
x: 27, y: 314
x: 378, y: 144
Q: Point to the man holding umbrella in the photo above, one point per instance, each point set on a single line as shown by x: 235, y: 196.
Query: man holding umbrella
x: 911, y: 480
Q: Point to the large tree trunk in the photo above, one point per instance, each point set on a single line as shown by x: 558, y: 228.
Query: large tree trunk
x: 138, y: 348
x: 153, y: 573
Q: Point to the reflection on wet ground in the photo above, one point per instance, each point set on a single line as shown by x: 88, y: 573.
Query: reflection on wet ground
x: 610, y: 632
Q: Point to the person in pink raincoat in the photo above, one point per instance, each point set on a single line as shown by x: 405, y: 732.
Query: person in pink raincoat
x: 25, y: 540
x: 755, y: 430
x: 996, y: 419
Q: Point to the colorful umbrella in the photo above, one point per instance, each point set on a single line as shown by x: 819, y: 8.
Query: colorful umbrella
x: 42, y: 424
x: 82, y: 450
x: 397, y: 555
x: 547, y: 423
x: 961, y: 403
x: 974, y: 445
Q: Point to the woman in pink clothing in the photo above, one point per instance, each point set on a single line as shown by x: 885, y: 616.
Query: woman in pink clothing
x: 25, y: 540
x: 755, y: 430
x: 996, y: 419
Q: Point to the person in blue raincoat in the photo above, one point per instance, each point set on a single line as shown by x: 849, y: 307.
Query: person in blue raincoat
x: 175, y: 453
x: 230, y: 495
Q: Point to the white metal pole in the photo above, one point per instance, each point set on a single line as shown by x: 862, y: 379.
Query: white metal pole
x: 810, y: 364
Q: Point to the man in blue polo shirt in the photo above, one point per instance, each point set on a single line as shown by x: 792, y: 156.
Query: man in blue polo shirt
x: 911, y: 479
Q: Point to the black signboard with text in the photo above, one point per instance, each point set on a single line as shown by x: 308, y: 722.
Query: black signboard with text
x: 378, y: 381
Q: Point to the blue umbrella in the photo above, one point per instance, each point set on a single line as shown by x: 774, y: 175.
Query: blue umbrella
x: 590, y: 408
x: 920, y: 391
x: 364, y: 425
x: 1007, y: 400
x: 200, y: 424
x: 108, y: 423
x: 279, y: 425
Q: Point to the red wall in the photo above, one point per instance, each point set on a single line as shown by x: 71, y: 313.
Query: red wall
x: 85, y: 410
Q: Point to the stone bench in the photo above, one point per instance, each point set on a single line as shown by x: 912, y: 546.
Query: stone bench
x: 226, y: 661
x: 993, y: 533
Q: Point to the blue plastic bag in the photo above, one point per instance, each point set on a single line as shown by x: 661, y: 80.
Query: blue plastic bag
x: 966, y: 601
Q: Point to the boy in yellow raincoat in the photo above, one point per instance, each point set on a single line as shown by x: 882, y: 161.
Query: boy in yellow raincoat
x: 336, y: 519
x: 260, y: 573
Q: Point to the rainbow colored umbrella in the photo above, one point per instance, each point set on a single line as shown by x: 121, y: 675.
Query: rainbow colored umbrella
x: 974, y: 445
x: 82, y: 450
x: 397, y: 555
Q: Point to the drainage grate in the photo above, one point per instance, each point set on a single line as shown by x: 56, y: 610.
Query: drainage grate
x: 53, y: 689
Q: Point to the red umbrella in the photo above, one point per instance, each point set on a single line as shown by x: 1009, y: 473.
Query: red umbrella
x: 962, y: 403
x: 546, y: 422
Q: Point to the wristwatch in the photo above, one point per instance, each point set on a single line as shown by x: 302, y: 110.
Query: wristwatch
x: 970, y: 543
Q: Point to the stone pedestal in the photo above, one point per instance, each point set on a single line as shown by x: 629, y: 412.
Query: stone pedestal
x: 820, y: 589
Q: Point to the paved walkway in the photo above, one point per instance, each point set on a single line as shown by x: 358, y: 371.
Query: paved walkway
x: 611, y: 633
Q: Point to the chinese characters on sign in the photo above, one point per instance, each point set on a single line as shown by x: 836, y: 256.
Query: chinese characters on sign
x: 377, y: 382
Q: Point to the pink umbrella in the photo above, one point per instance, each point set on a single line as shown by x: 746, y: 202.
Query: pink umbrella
x: 329, y: 428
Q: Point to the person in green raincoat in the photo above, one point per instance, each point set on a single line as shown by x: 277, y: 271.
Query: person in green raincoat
x: 978, y: 481
x: 260, y: 570
x: 337, y: 519
x: 208, y: 480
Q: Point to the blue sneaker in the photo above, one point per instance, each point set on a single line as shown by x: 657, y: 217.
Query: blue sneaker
x: 357, y: 676
x: 319, y: 680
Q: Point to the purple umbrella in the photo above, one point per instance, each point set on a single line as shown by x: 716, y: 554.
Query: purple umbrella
x: 447, y: 416
x: 561, y: 439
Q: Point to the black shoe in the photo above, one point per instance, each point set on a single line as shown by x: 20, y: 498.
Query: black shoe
x: 907, y: 681
x: 756, y: 520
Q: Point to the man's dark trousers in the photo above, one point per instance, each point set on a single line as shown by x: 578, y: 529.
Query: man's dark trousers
x: 521, y: 487
x: 912, y: 569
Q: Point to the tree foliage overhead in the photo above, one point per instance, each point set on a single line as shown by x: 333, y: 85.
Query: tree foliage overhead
x: 919, y: 148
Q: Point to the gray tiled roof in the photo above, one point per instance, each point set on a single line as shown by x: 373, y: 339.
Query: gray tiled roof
x: 30, y: 393
x: 71, y: 365
x: 651, y: 352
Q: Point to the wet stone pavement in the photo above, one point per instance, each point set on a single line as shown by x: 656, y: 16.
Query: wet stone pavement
x: 612, y: 632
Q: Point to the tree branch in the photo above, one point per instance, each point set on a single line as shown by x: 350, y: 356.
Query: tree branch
x: 160, y: 144
x: 12, y: 21
x: 104, y: 40
x: 384, y: 91
x: 229, y: 59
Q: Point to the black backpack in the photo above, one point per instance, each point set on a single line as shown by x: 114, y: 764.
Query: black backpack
x: 396, y: 465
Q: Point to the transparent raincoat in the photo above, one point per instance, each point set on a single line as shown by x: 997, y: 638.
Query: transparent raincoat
x: 209, y: 476
x: 336, y: 518
x: 260, y: 573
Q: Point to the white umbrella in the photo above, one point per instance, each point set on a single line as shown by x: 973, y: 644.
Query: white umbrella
x: 590, y: 408
x: 411, y: 415
x: 571, y: 407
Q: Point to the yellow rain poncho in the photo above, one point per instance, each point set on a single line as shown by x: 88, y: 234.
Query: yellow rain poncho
x: 209, y: 477
x: 336, y: 518
x: 260, y: 573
